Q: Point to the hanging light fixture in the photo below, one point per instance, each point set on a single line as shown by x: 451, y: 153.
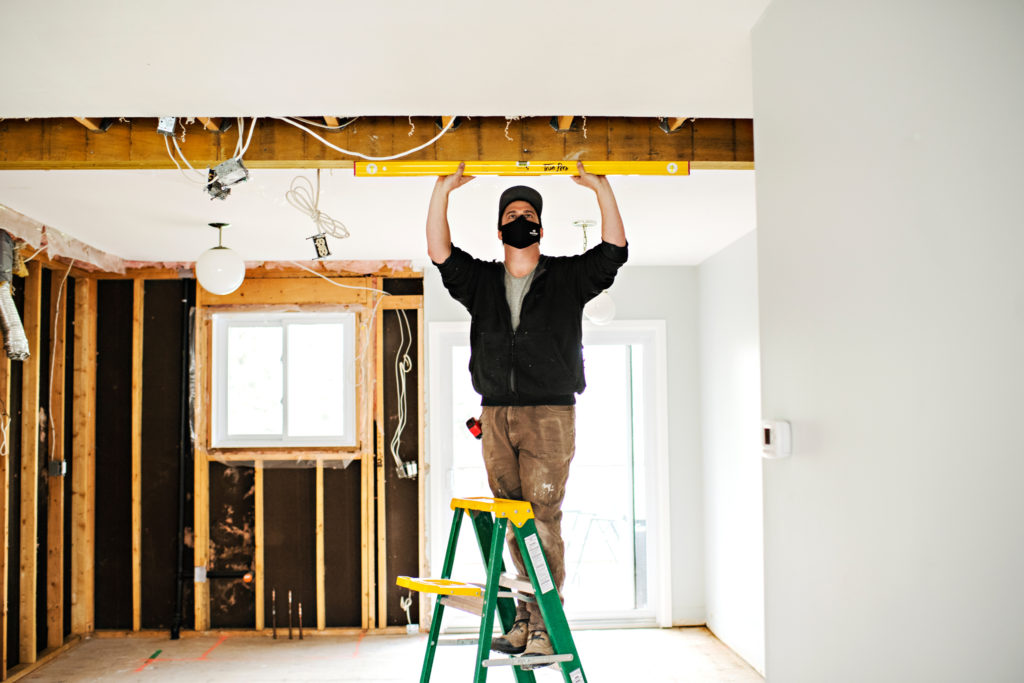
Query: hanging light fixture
x: 220, y: 270
x: 601, y: 309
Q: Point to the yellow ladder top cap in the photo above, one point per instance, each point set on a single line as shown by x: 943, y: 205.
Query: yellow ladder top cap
x: 442, y: 586
x: 516, y: 511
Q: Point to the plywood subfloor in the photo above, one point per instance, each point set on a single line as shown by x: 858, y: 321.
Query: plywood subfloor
x: 693, y: 655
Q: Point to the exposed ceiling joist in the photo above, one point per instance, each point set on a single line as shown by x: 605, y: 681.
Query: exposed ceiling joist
x: 671, y: 125
x: 209, y: 124
x: 95, y: 125
x: 562, y: 123
x: 54, y: 144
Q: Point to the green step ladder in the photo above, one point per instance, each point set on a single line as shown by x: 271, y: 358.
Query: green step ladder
x: 490, y: 520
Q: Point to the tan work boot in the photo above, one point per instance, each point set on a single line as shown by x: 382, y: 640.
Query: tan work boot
x: 513, y: 642
x: 538, y: 645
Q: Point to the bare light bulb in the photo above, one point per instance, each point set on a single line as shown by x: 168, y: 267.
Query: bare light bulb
x: 220, y: 270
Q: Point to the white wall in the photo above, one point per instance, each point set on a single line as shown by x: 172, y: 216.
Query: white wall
x: 646, y: 293
x: 730, y: 419
x: 891, y: 243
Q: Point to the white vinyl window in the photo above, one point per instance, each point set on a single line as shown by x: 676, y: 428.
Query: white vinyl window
x: 283, y: 379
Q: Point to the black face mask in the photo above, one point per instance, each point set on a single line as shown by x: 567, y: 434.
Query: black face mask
x: 520, y: 233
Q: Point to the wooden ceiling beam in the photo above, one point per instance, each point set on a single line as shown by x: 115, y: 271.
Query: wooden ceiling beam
x: 95, y: 125
x: 64, y: 144
x: 671, y: 125
x: 562, y: 123
x: 209, y: 123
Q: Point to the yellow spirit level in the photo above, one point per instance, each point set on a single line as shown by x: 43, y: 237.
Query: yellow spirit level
x: 520, y: 168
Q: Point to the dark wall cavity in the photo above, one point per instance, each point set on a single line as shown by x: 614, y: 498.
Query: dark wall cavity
x: 14, y: 500
x: 342, y: 547
x: 401, y: 495
x: 232, y: 545
x: 113, y: 580
x: 289, y: 535
x: 161, y: 430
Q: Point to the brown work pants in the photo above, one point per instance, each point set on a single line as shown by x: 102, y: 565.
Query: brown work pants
x: 527, y: 451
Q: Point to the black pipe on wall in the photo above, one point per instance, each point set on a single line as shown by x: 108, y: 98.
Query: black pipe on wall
x: 184, y: 450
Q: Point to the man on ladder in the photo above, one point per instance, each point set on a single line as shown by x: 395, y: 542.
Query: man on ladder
x: 526, y: 359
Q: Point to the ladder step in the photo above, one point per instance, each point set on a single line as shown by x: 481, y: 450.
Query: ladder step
x: 459, y: 640
x: 520, y: 584
x: 441, y: 586
x: 532, y: 660
x: 465, y: 603
x: 516, y: 511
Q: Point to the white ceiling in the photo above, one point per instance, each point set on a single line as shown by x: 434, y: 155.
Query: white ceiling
x: 463, y: 57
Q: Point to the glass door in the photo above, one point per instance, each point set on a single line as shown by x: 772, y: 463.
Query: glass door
x: 610, y: 552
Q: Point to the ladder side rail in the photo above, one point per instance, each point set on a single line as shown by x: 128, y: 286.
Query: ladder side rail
x: 435, y: 622
x: 549, y: 600
x: 490, y: 598
x: 484, y: 525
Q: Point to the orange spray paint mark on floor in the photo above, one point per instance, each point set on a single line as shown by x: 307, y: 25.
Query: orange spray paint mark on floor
x: 203, y: 658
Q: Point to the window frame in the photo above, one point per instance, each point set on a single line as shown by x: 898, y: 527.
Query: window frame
x: 220, y: 324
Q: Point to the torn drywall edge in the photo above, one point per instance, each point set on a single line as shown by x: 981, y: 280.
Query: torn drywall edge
x: 56, y: 243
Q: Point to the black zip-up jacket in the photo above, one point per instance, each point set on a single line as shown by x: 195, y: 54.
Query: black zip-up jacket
x: 541, y: 363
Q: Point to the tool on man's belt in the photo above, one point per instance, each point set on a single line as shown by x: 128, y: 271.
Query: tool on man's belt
x: 474, y: 427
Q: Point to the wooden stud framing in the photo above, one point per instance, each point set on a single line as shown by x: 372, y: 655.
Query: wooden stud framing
x: 95, y: 125
x: 321, y: 586
x: 201, y: 478
x: 83, y: 469
x: 258, y: 550
x: 382, y: 555
x: 209, y: 124
x: 675, y: 124
x: 367, y: 468
x: 138, y: 318
x: 564, y: 123
x: 331, y: 121
x: 55, y: 485
x: 30, y: 466
x: 5, y: 496
x: 421, y: 465
x: 59, y: 143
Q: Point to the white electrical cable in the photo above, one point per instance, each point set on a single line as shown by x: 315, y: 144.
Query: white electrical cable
x: 53, y: 357
x: 36, y: 253
x: 171, y: 154
x: 302, y: 196
x: 248, y: 140
x: 373, y: 313
x: 403, y: 364
x: 364, y: 156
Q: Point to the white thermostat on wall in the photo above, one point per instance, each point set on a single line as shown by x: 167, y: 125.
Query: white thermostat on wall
x: 776, y: 439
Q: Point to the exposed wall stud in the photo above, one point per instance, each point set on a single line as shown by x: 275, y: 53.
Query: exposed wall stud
x: 30, y: 466
x: 83, y: 468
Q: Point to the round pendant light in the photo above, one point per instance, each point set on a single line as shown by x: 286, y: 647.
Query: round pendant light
x: 220, y: 270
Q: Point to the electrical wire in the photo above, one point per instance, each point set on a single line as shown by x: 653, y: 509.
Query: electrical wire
x: 365, y: 156
x: 248, y: 140
x: 403, y: 364
x: 171, y: 154
x: 41, y: 247
x: 301, y: 196
x: 53, y: 357
x: 373, y: 312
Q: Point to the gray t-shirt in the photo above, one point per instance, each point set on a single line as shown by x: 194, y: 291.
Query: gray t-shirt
x: 515, y: 292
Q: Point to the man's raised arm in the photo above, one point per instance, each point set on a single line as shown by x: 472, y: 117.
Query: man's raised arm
x: 439, y: 236
x: 612, y: 229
